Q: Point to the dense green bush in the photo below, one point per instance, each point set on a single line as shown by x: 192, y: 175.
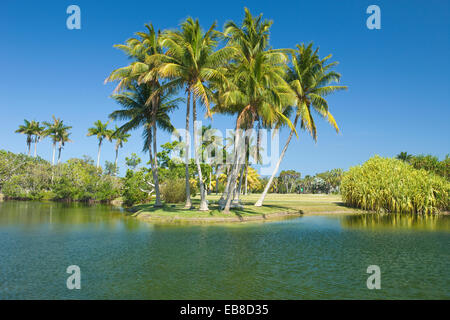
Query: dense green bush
x: 174, y: 191
x: 134, y: 188
x: 391, y: 185
x: 24, y: 177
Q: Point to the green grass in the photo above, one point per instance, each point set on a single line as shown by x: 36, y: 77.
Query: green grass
x: 274, y: 203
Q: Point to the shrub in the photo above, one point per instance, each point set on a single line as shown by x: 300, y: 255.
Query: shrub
x: 133, y: 186
x: 174, y: 191
x: 390, y: 185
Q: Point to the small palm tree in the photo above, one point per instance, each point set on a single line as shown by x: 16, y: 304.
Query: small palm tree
x: 63, y: 138
x: 39, y: 133
x: 100, y: 130
x: 404, y: 156
x: 120, y: 138
x: 27, y: 129
x: 55, y: 130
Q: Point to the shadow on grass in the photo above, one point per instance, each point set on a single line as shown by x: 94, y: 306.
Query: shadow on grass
x: 248, y: 209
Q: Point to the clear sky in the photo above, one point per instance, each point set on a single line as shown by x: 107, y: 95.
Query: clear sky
x: 398, y: 76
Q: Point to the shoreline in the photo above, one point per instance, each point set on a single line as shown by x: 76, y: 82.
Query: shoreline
x: 234, y: 218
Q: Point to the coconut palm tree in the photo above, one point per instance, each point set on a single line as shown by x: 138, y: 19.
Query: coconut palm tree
x: 100, y: 130
x: 120, y: 138
x: 143, y: 71
x: 191, y: 62
x: 138, y: 113
x: 309, y: 79
x: 39, y: 133
x: 257, y: 89
x: 28, y: 129
x: 55, y: 130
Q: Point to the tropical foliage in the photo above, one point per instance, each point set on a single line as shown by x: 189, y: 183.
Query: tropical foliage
x: 391, y: 185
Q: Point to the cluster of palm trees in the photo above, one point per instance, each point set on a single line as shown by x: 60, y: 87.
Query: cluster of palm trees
x: 101, y: 131
x: 56, y: 130
x: 234, y: 72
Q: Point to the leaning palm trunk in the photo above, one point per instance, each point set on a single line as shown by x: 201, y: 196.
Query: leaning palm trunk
x: 239, y: 189
x: 269, y: 183
x: 188, y: 204
x: 203, y: 203
x: 231, y: 184
x: 155, y: 162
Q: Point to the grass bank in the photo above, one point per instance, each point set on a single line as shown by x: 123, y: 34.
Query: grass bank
x: 276, y: 207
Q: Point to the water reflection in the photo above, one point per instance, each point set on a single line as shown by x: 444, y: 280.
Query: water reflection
x: 397, y: 221
x: 31, y: 215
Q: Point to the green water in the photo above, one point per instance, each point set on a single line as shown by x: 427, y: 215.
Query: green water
x: 315, y: 257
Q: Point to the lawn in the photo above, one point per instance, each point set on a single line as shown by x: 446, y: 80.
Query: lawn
x: 275, y: 206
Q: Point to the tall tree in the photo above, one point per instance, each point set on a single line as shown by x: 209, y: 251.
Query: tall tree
x: 191, y: 62
x: 100, y: 130
x: 309, y: 79
x: 257, y: 88
x: 138, y: 113
x: 143, y: 71
x: 28, y: 130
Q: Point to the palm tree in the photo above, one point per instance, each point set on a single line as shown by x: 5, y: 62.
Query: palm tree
x: 257, y: 90
x: 138, y: 114
x: 39, y: 133
x: 191, y: 62
x: 100, y: 130
x: 120, y: 138
x: 63, y: 137
x: 309, y: 79
x: 404, y: 156
x: 143, y: 71
x: 27, y: 129
x: 55, y: 130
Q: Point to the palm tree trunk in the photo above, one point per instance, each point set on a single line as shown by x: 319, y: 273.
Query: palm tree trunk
x: 269, y: 183
x: 234, y: 170
x: 59, y: 152
x: 188, y: 203
x: 246, y: 177
x: 203, y: 203
x: 54, y: 151
x: 115, y: 161
x: 35, y: 148
x: 210, y: 182
x: 238, y: 193
x: 217, y: 180
x: 98, y: 154
x: 155, y: 162
x: 29, y: 148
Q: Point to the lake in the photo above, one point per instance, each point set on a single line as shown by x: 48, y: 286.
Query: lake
x: 311, y: 257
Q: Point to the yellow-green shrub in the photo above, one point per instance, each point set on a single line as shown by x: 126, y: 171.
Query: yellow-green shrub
x: 390, y: 185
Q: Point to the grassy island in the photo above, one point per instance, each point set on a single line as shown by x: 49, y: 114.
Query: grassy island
x: 278, y: 206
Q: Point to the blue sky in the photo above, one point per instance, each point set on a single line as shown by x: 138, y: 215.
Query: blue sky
x: 398, y: 77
